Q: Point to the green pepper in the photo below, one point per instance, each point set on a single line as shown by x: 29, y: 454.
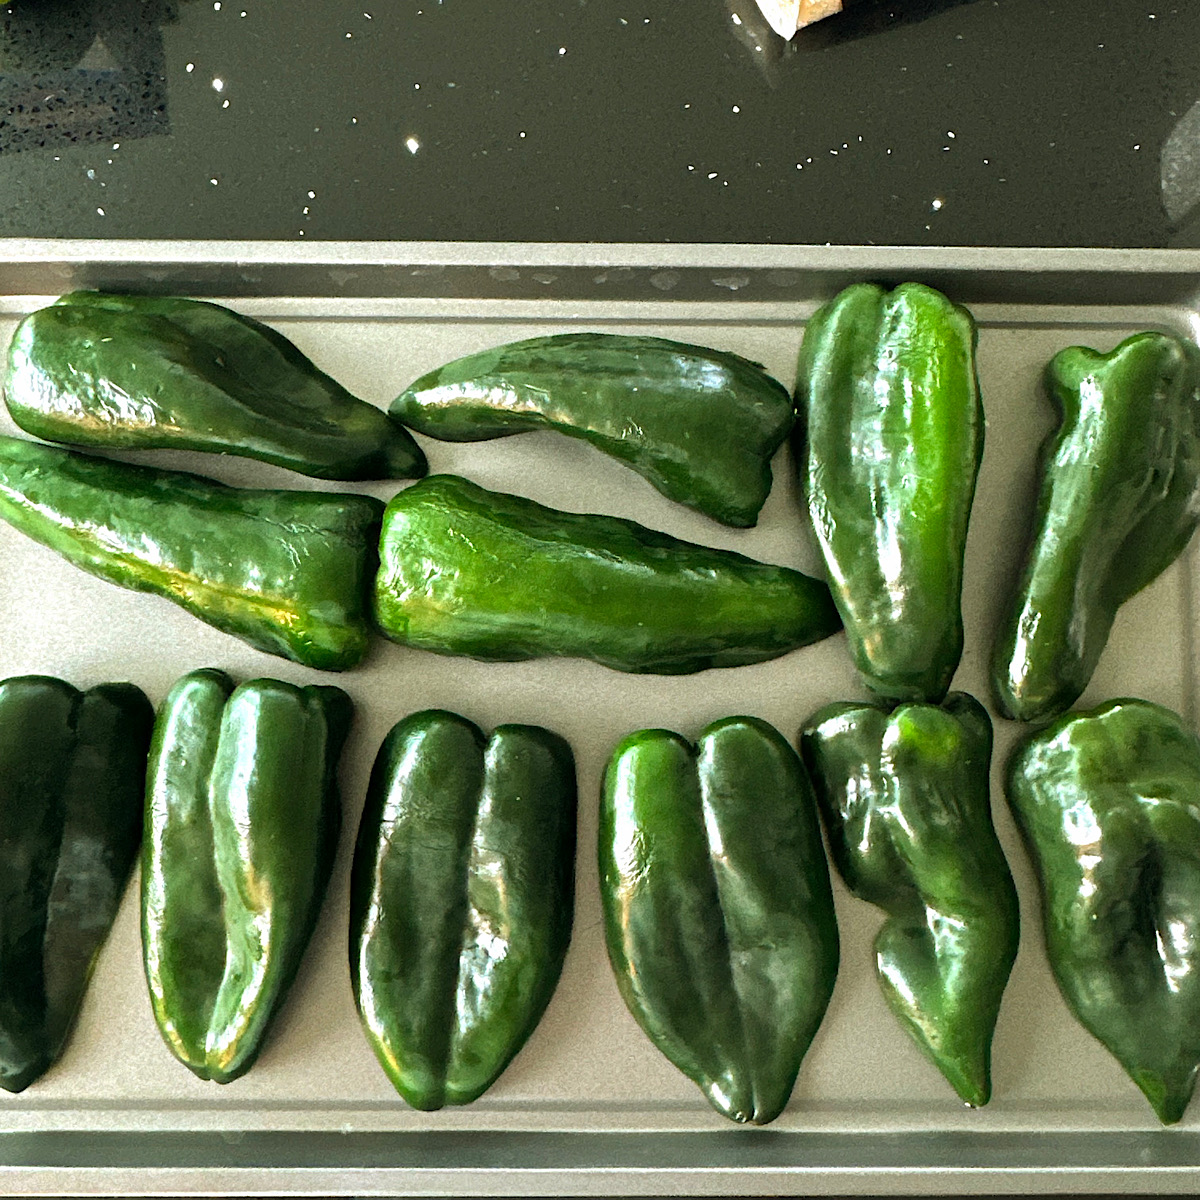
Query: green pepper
x: 1120, y: 498
x: 904, y: 797
x: 701, y: 425
x: 889, y: 445
x: 718, y: 912
x: 461, y: 900
x: 143, y: 372
x: 286, y: 571
x: 241, y: 825
x: 498, y: 577
x: 72, y: 768
x: 1109, y: 804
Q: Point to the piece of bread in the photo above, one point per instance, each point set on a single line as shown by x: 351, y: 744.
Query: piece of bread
x: 787, y: 16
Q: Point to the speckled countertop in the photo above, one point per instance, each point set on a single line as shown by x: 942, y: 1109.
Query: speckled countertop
x: 962, y: 122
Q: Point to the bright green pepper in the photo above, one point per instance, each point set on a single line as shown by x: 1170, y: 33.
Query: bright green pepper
x: 286, y: 571
x: 241, y: 825
x: 461, y: 900
x: 494, y: 576
x: 72, y: 767
x: 143, y: 372
x: 889, y: 445
x: 701, y: 425
x: 1120, y: 498
x: 1109, y: 804
x: 718, y: 911
x: 904, y: 796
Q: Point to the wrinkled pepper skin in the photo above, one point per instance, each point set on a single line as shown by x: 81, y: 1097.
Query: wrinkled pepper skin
x: 905, y: 801
x: 501, y: 578
x: 889, y: 445
x: 701, y: 425
x: 149, y: 372
x: 718, y: 911
x: 1119, y: 500
x: 1109, y: 804
x: 286, y: 571
x: 72, y: 769
x: 241, y: 825
x: 462, y: 898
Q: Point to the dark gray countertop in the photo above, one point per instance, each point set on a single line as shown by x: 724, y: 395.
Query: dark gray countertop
x: 961, y: 122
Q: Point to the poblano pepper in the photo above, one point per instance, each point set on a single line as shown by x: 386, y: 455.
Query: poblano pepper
x: 498, y: 577
x: 1119, y: 500
x: 889, y: 443
x: 718, y: 911
x: 904, y: 796
x: 461, y: 900
x: 143, y: 372
x: 241, y: 825
x: 701, y: 425
x: 286, y: 571
x: 72, y: 769
x: 1109, y: 804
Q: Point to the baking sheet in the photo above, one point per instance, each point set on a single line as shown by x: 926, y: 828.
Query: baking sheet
x: 589, y: 1104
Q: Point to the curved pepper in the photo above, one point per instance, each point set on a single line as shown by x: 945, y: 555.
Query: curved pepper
x: 892, y: 428
x: 1120, y: 498
x: 144, y: 372
x: 497, y: 577
x: 241, y: 826
x: 1109, y: 805
x: 717, y: 907
x: 286, y: 571
x: 701, y: 425
x: 461, y: 900
x: 904, y: 797
x: 72, y: 767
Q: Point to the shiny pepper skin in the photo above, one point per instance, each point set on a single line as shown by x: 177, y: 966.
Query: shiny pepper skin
x: 72, y: 768
x: 1109, y: 804
x: 1120, y: 499
x: 701, y: 425
x: 148, y: 372
x: 286, y: 571
x: 889, y: 443
x: 461, y: 900
x: 241, y: 826
x: 501, y: 578
x: 718, y: 911
x: 906, y: 805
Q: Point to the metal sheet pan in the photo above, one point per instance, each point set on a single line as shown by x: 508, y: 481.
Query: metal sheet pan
x: 590, y: 1106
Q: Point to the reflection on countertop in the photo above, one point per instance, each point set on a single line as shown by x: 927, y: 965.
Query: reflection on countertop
x: 79, y: 71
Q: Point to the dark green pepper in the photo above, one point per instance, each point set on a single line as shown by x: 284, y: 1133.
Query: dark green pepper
x: 461, y: 900
x: 286, y: 571
x: 904, y: 796
x: 494, y: 576
x: 241, y: 826
x: 1109, y: 804
x: 1120, y: 498
x: 889, y: 445
x: 143, y: 372
x: 72, y: 769
x: 701, y: 425
x: 717, y: 907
